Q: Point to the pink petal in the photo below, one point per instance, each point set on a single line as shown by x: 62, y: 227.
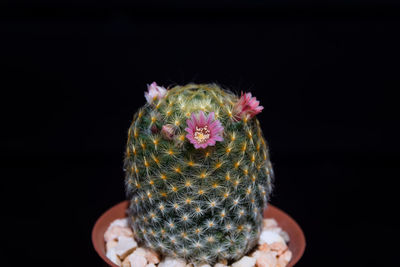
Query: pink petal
x: 217, y: 131
x: 146, y: 95
x: 259, y: 108
x: 252, y: 102
x: 202, y: 119
x: 204, y: 145
x: 216, y: 127
x: 194, y: 119
x: 210, y: 118
x: 218, y: 138
x: 212, y: 126
x: 197, y: 146
x: 211, y: 142
x: 191, y: 139
x: 189, y: 130
x: 190, y: 124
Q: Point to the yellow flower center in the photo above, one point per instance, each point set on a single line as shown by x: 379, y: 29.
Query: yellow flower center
x: 202, y: 134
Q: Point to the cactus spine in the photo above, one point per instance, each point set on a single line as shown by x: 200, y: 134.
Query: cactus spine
x: 201, y: 204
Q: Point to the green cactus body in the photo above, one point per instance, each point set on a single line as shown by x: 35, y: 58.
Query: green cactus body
x: 203, y: 205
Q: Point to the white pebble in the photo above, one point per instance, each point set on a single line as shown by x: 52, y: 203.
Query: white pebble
x: 266, y: 259
x: 138, y: 258
x: 287, y: 256
x: 274, y: 229
x: 125, y: 246
x: 220, y: 265
x: 172, y: 262
x: 119, y: 222
x: 150, y: 265
x: 152, y: 256
x: 285, y: 236
x: 270, y: 237
x: 116, y: 231
x: 113, y: 256
x: 268, y: 223
x: 111, y: 244
x: 245, y: 262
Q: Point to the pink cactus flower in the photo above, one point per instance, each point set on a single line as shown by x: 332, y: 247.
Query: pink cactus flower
x: 246, y: 106
x: 154, y: 92
x: 202, y: 131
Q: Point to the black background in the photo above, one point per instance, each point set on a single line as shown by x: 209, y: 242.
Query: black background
x: 74, y: 73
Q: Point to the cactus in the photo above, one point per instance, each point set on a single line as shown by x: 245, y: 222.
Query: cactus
x: 198, y: 174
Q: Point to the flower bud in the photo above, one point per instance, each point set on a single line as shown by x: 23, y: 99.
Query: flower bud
x: 168, y: 131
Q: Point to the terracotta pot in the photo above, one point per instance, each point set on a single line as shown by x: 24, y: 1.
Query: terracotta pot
x: 297, y: 242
